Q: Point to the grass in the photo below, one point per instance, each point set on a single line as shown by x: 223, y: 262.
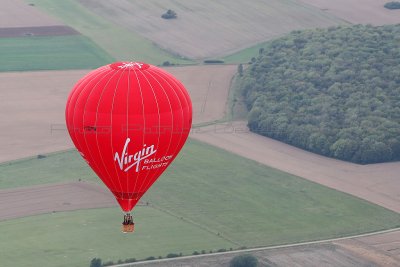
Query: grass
x: 230, y: 200
x: 236, y: 106
x: 119, y: 42
x: 74, y: 238
x: 244, y: 56
x: 51, y: 53
x: 55, y: 168
x: 255, y: 205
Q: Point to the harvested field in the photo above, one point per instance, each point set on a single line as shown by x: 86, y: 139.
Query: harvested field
x: 26, y: 201
x: 32, y: 112
x: 208, y: 86
x: 373, y: 254
x: 32, y: 105
x: 18, y: 13
x: 209, y: 28
x: 358, y: 11
x: 377, y: 183
x: 37, y: 31
x: 388, y: 243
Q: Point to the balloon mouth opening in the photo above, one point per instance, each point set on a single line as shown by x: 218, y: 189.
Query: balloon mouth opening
x: 127, y: 201
x: 129, y: 65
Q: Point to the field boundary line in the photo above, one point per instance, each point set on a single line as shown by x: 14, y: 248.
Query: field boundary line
x: 216, y: 233
x: 259, y: 248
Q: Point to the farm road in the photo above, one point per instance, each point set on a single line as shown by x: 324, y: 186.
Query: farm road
x: 352, y: 251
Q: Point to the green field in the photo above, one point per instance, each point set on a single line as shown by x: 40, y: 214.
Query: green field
x: 74, y: 238
x: 119, y: 42
x: 55, y: 168
x: 244, y: 56
x: 208, y: 199
x: 51, y: 53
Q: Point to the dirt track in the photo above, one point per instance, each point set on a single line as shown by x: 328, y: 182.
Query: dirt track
x: 26, y: 201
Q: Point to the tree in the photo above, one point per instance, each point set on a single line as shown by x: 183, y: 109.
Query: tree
x: 246, y: 260
x: 95, y: 262
x: 240, y: 69
x: 170, y: 14
x: 392, y: 5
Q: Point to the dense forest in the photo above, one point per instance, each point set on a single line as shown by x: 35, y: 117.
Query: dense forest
x: 332, y: 91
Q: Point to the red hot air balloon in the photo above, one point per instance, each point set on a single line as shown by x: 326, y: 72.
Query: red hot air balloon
x: 128, y: 120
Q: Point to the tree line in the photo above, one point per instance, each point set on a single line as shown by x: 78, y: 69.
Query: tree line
x: 332, y: 91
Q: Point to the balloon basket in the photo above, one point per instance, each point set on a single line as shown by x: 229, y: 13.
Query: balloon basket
x: 128, y: 228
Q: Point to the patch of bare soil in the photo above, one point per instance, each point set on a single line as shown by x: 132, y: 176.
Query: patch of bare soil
x: 18, y: 13
x: 358, y: 11
x: 27, y: 201
x: 37, y: 31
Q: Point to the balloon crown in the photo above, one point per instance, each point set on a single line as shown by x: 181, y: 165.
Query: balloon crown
x: 129, y: 65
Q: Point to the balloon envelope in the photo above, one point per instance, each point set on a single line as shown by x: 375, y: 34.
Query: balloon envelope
x: 128, y: 120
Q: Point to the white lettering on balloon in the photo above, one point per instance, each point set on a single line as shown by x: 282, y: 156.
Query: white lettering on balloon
x: 131, y: 65
x: 127, y: 161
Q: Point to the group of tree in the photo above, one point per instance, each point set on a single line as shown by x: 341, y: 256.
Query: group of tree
x: 97, y: 262
x: 392, y: 5
x: 245, y: 260
x: 332, y: 91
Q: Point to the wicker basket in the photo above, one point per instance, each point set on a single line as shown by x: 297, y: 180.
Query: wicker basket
x: 128, y: 228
